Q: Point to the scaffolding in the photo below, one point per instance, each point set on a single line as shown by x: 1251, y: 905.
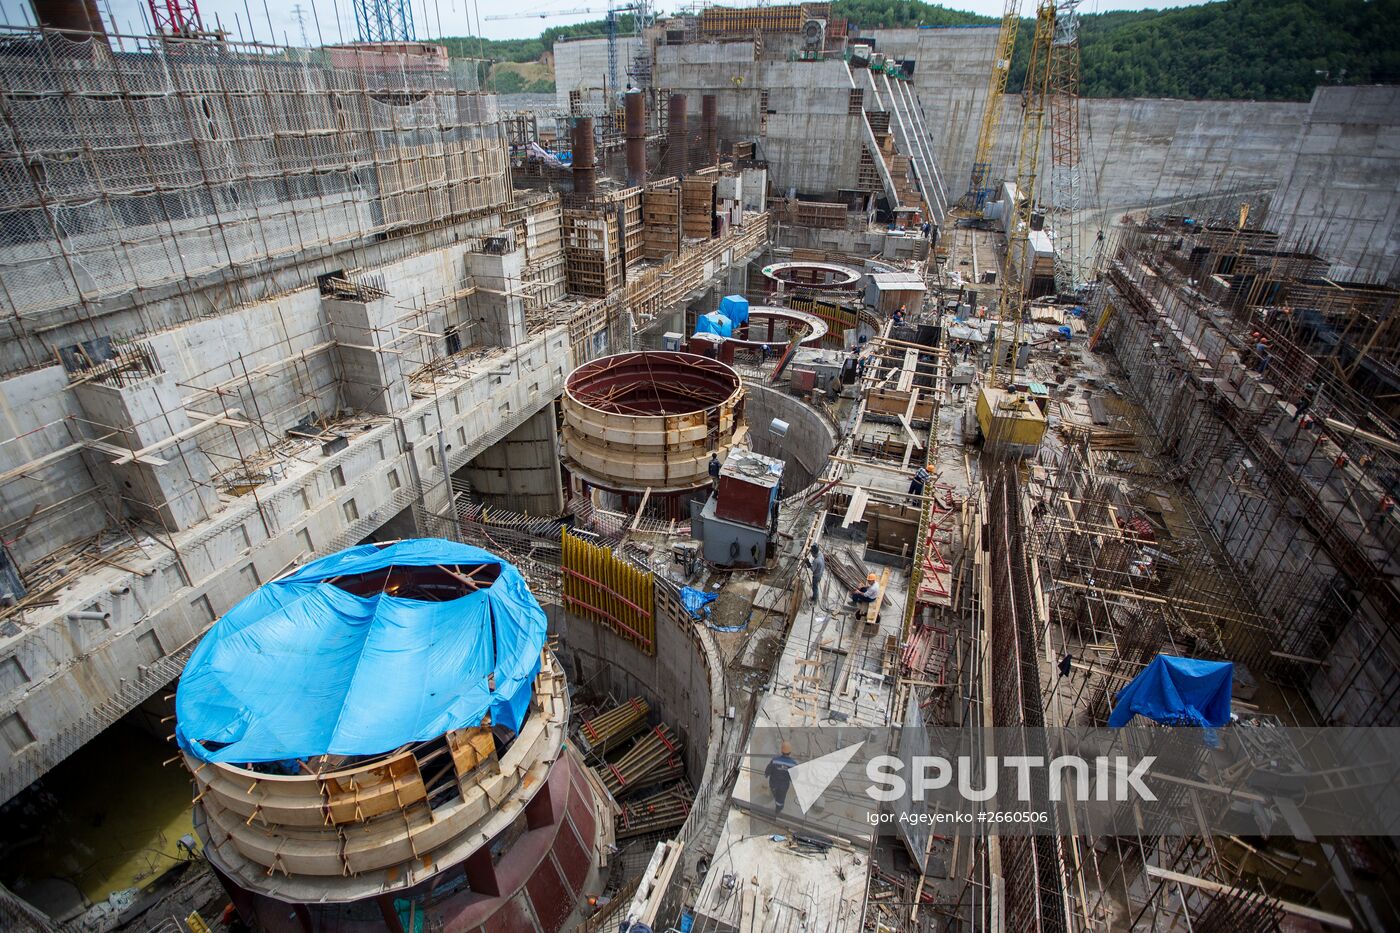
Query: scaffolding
x: 132, y: 163
x: 1274, y: 430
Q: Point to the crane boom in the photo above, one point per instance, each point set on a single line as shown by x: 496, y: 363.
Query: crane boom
x: 991, y: 115
x: 175, y: 17
x: 1012, y: 298
x: 1065, y: 182
x: 545, y: 14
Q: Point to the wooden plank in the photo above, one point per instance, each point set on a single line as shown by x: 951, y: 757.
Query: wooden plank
x: 872, y: 614
x: 855, y: 510
x: 1298, y: 910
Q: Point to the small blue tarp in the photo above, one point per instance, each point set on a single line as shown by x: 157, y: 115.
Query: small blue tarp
x: 736, y: 308
x: 714, y: 323
x: 302, y: 667
x: 1177, y: 691
x: 697, y: 602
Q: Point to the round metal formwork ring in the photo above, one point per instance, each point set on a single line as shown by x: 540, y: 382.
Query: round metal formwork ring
x: 820, y: 276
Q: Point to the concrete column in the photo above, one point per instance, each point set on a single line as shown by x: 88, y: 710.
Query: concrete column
x: 498, y: 307
x: 521, y: 471
x: 371, y: 370
x: 169, y: 485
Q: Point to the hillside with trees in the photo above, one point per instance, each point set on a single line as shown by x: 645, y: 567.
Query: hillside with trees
x: 1235, y: 49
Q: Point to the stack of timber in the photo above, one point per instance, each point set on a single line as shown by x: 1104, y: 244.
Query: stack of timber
x: 610, y: 730
x: 663, y: 810
x: 653, y: 759
x: 1099, y: 438
x: 816, y: 214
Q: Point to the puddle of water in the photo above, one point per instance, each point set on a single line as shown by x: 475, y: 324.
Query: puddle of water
x: 106, y: 819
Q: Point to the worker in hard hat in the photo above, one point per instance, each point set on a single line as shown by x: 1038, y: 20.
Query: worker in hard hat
x: 918, y: 480
x: 779, y: 781
x: 870, y: 593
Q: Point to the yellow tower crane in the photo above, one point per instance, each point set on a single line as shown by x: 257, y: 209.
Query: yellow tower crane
x: 1064, y: 201
x: 976, y: 198
x: 1011, y: 418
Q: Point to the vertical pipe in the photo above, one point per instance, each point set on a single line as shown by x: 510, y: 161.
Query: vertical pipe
x: 676, y: 138
x: 709, y: 127
x: 585, y: 172
x: 636, y: 123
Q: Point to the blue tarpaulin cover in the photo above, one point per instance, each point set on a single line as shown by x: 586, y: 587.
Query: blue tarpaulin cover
x: 1177, y: 691
x: 697, y: 602
x: 736, y: 308
x: 302, y: 668
x: 714, y: 323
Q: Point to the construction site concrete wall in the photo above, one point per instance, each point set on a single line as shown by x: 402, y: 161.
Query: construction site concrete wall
x: 804, y: 448
x: 1341, y: 187
x: 273, y: 361
x: 1329, y: 167
x: 1318, y: 611
x: 675, y: 680
x: 799, y: 112
x: 73, y: 678
x: 521, y: 473
x: 582, y: 65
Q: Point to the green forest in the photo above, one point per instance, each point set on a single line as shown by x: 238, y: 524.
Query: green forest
x: 1235, y: 49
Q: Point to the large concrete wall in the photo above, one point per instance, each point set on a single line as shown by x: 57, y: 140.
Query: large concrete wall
x: 1342, y: 184
x: 582, y: 64
x: 272, y: 360
x: 1331, y: 167
x: 811, y: 140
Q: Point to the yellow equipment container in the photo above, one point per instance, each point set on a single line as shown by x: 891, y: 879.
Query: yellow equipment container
x: 1012, y: 417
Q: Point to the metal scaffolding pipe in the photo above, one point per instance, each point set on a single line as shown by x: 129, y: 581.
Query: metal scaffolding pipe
x: 585, y: 171
x: 675, y: 135
x: 636, y: 123
x: 709, y: 127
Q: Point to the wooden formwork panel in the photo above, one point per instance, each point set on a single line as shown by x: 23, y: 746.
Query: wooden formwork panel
x: 592, y: 257
x: 697, y: 206
x: 661, y: 213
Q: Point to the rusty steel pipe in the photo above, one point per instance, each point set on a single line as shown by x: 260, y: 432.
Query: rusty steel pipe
x: 709, y: 127
x: 676, y: 138
x: 585, y: 170
x: 636, y: 124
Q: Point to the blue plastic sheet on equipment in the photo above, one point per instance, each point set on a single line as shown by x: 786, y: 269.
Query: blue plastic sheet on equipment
x: 697, y: 602
x: 714, y: 323
x: 736, y: 308
x: 302, y: 667
x: 1065, y: 331
x: 1177, y: 691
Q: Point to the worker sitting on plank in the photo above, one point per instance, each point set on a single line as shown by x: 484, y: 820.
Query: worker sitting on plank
x: 869, y: 594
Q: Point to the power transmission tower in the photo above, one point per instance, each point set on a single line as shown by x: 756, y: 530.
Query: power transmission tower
x: 384, y: 20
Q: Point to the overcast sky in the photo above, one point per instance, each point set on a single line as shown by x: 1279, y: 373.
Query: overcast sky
x: 275, y: 20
